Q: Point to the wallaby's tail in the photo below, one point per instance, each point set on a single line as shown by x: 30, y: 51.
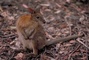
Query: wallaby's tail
x: 55, y: 41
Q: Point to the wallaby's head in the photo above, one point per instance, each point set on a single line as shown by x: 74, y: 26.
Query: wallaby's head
x: 36, y: 14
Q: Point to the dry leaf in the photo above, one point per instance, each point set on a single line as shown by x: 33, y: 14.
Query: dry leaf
x: 20, y: 56
x: 68, y: 44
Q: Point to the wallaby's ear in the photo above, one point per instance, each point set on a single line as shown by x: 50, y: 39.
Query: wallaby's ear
x: 38, y: 8
x: 35, y: 10
x: 32, y: 11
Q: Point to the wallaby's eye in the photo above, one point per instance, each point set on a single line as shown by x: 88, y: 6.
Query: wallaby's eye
x: 37, y: 17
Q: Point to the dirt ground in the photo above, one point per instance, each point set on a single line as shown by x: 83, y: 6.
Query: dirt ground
x: 63, y: 18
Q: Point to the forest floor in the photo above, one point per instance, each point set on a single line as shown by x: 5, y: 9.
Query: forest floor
x: 63, y: 18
